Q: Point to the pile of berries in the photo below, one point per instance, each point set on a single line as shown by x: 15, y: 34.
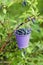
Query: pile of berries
x: 23, y: 31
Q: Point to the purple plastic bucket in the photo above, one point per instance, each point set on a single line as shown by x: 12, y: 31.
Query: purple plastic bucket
x: 22, y: 40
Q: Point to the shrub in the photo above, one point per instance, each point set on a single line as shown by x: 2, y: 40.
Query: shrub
x: 12, y: 13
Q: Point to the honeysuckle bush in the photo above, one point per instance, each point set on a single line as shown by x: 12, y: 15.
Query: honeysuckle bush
x: 12, y: 13
x: 40, y: 6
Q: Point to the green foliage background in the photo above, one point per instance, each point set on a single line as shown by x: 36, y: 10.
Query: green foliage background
x: 12, y: 13
x: 40, y: 6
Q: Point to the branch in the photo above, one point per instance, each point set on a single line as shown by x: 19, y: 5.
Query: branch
x: 1, y: 23
x: 5, y: 61
x: 10, y: 34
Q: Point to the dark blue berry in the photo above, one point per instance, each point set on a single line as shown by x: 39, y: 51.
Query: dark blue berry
x: 38, y: 30
x: 24, y: 31
x: 29, y: 18
x: 33, y: 20
x: 28, y: 31
x: 24, y: 3
x: 18, y: 32
x: 24, y: 52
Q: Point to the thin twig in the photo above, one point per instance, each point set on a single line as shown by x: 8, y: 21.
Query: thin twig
x: 10, y: 34
x: 1, y: 23
x: 5, y: 61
